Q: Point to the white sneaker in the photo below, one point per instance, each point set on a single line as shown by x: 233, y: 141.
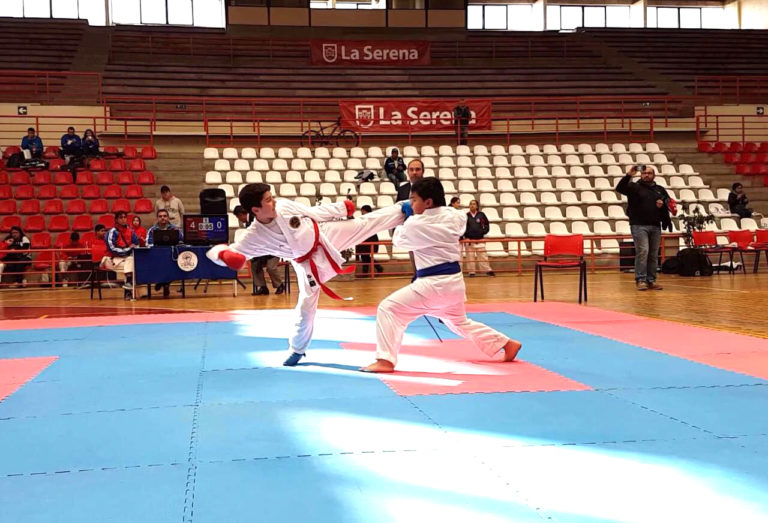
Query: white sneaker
x: 128, y: 286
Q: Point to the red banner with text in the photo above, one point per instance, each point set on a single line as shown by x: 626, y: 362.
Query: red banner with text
x: 369, y: 52
x: 411, y: 115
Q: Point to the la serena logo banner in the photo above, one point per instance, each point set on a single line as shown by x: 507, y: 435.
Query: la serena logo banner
x: 410, y: 115
x: 369, y: 52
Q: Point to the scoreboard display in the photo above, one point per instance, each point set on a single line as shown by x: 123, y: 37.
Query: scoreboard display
x: 205, y: 230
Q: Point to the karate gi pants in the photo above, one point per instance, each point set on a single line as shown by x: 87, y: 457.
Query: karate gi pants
x: 476, y: 258
x: 438, y: 296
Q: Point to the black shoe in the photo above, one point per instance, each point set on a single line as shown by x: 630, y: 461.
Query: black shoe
x: 158, y: 286
x: 280, y: 289
x: 293, y: 359
x: 491, y: 273
x: 260, y: 291
x: 378, y: 268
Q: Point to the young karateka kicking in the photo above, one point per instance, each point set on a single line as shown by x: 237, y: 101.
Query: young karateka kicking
x: 311, y: 238
x: 432, y: 234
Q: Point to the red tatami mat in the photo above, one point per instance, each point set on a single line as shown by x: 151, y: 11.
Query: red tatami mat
x: 456, y: 366
x: 16, y: 372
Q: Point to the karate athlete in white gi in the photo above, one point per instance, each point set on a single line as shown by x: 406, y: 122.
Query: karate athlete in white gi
x: 432, y: 234
x: 311, y: 238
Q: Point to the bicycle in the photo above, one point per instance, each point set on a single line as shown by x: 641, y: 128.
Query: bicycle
x: 337, y: 136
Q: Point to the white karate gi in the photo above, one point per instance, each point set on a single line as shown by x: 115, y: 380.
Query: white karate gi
x: 297, y: 237
x: 433, y: 237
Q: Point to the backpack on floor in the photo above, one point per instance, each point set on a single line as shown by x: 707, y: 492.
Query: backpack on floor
x: 694, y: 262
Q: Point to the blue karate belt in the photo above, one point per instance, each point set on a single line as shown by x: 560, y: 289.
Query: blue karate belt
x: 438, y: 270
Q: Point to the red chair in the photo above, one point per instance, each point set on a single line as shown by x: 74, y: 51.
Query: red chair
x: 719, y: 147
x: 84, y: 178
x: 761, y: 244
x: 704, y: 147
x: 707, y: 242
x: 62, y: 178
x: 57, y: 164
x: 51, y: 152
x: 5, y: 192
x: 98, y: 206
x: 129, y: 151
x: 134, y: 191
x: 58, y: 224
x: 41, y: 178
x: 62, y: 239
x: 137, y: 164
x: 763, y: 147
x: 8, y: 222
x: 30, y: 207
x: 34, y: 223
x: 111, y: 149
x: 143, y: 206
x: 76, y: 207
x: 570, y: 253
x: 746, y: 158
x: 125, y: 178
x: 146, y: 178
x: 735, y: 147
x: 10, y: 151
x: 53, y: 207
x: 69, y: 192
x: 41, y: 240
x: 20, y: 178
x: 105, y: 178
x: 742, y: 169
x: 121, y: 205
x: 82, y: 223
x: 88, y: 237
x: 7, y: 206
x: 118, y: 164
x: 97, y: 164
x: 91, y: 192
x: 730, y: 158
x: 757, y: 169
x: 148, y: 152
x: 113, y: 191
x: 742, y: 239
x: 750, y: 147
x: 46, y: 192
x: 761, y: 157
x: 25, y: 192
x: 107, y: 220
x: 4, y: 180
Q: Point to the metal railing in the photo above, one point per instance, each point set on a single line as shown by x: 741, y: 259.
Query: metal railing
x: 731, y: 128
x: 731, y: 89
x: 63, y: 87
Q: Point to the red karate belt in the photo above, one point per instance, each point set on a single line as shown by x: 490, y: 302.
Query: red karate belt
x: 313, y: 267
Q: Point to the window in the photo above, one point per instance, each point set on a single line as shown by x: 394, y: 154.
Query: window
x: 594, y: 16
x: 519, y: 17
x: 13, y: 8
x: 495, y: 17
x: 553, y: 18
x: 94, y: 11
x: 208, y: 13
x: 650, y: 17
x: 714, y: 18
x: 690, y: 18
x: 667, y: 17
x: 125, y: 11
x: 617, y: 16
x: 180, y: 12
x: 37, y: 9
x: 153, y: 12
x: 571, y: 17
x: 474, y: 17
x: 64, y: 9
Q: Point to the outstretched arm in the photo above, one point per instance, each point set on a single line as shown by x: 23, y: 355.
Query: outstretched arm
x: 322, y: 213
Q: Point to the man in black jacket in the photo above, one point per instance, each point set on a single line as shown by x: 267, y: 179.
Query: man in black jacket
x: 394, y: 167
x: 477, y: 228
x: 461, y: 117
x: 415, y: 172
x: 647, y: 210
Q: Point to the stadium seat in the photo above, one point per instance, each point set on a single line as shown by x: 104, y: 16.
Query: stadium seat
x: 113, y: 191
x: 134, y: 191
x: 137, y: 164
x: 103, y: 178
x: 210, y: 153
x: 129, y: 151
x: 10, y: 151
x: 97, y: 164
x: 84, y: 178
x: 20, y: 178
x: 148, y: 152
x: 705, y: 147
x: 8, y: 222
x: 46, y: 192
x: 34, y: 223
x: 91, y: 192
x: 117, y: 164
x: 82, y: 223
x: 145, y: 178
x: 62, y: 178
x: 41, y: 178
x: 107, y: 220
x: 58, y: 224
x: 4, y: 179
x: 69, y: 192
x: 7, y: 207
x: 99, y: 206
x: 29, y: 207
x: 253, y: 177
x: 41, y: 240
x: 143, y: 206
x: 121, y: 205
x: 25, y: 192
x: 76, y: 207
x: 53, y: 207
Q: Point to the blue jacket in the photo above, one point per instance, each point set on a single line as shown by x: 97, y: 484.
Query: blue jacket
x: 91, y: 147
x: 34, y: 143
x: 75, y: 146
x: 117, y: 244
x: 151, y: 233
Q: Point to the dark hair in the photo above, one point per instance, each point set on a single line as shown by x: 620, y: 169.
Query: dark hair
x: 31, y: 129
x: 74, y: 236
x: 70, y: 127
x: 239, y: 209
x: 165, y: 188
x: 139, y: 218
x: 736, y: 186
x: 89, y: 131
x: 394, y: 150
x: 161, y: 210
x: 16, y: 228
x: 251, y: 195
x: 455, y: 199
x: 118, y: 214
x: 366, y: 208
x: 99, y: 227
x: 430, y: 188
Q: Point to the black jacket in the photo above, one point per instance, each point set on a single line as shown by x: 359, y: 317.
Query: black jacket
x: 392, y: 166
x: 642, y: 209
x: 403, y: 191
x: 736, y: 200
x: 477, y: 226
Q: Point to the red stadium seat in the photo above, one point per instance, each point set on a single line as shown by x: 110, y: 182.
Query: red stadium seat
x: 742, y: 169
x: 107, y: 220
x: 62, y: 239
x: 41, y: 240
x: 763, y: 147
x: 57, y: 164
x: 62, y: 178
x: 46, y: 192
x: 34, y: 224
x: 750, y: 147
x: 7, y: 206
x: 30, y: 207
x: 8, y: 222
x: 99, y: 206
x: 53, y: 207
x: 110, y: 149
x: 731, y: 158
x: 761, y: 158
x: 134, y: 191
x: 84, y: 178
x: 125, y: 178
x: 704, y: 147
x: 146, y: 178
x: 91, y: 192
x: 87, y: 237
x: 97, y: 164
x: 41, y: 178
x: 10, y: 151
x: 113, y: 191
x: 757, y: 169
x: 69, y: 192
x: 82, y: 223
x: 137, y: 164
x: 4, y: 179
x: 129, y: 151
x: 25, y: 192
x: 105, y: 178
x: 76, y: 207
x: 735, y: 147
x: 51, y: 152
x: 5, y: 192
x: 118, y: 164
x: 20, y: 178
x: 121, y: 205
x: 143, y: 206
x: 719, y: 147
x: 148, y: 152
x: 747, y: 158
x: 58, y: 224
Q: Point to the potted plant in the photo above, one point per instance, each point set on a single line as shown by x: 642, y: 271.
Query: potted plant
x: 693, y: 221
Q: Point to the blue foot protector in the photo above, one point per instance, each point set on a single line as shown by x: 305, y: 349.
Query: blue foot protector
x: 293, y: 359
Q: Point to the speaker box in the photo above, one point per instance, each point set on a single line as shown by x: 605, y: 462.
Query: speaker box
x: 213, y: 202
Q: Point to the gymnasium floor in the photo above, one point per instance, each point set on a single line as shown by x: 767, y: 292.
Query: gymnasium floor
x: 179, y: 410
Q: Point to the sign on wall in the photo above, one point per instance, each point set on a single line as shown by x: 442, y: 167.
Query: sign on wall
x: 369, y: 52
x: 410, y: 115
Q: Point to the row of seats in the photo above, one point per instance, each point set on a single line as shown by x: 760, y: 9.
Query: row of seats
x: 83, y: 178
x: 733, y: 147
x: 147, y: 152
x: 99, y: 206
x: 60, y: 223
x: 70, y: 192
x: 426, y: 151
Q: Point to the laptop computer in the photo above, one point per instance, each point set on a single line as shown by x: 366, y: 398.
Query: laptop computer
x: 165, y: 237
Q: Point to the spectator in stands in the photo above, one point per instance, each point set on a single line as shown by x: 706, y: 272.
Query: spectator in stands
x: 71, y: 145
x: 163, y: 224
x: 32, y: 143
x: 72, y: 257
x: 461, y: 117
x: 90, y: 144
x: 366, y: 252
x: 647, y: 208
x: 170, y: 203
x: 17, y: 258
x: 477, y: 227
x: 394, y: 167
x: 456, y: 202
x: 415, y: 172
x: 140, y: 231
x: 737, y: 201
x: 121, y: 240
